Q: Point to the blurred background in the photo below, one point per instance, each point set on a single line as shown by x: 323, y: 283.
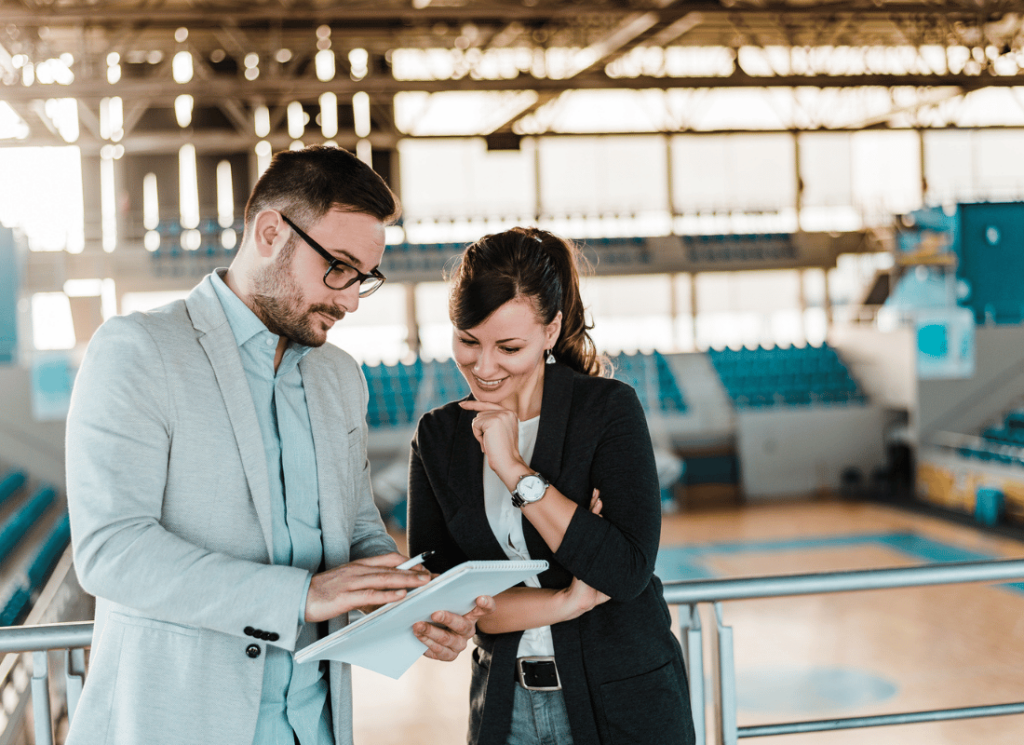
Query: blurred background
x: 805, y: 222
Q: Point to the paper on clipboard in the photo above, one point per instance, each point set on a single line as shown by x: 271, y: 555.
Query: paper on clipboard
x: 383, y: 641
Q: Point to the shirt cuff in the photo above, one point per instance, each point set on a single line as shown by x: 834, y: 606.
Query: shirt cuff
x: 305, y: 595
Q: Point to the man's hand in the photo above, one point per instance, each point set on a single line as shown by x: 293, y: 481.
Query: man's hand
x: 361, y: 583
x: 448, y: 633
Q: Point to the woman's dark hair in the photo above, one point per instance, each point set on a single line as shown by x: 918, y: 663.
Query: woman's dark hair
x: 536, y: 265
x: 306, y: 184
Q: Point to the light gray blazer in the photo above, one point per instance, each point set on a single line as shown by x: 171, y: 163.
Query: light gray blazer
x: 170, y: 524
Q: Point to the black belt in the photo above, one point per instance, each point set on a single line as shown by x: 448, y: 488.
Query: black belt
x: 538, y: 674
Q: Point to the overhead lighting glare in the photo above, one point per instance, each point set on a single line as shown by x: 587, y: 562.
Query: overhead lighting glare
x: 112, y: 118
x: 359, y: 63
x: 364, y: 151
x: 188, y: 187
x: 296, y: 120
x: 63, y: 112
x: 150, y: 202
x: 108, y: 201
x: 113, y: 67
x: 329, y: 114
x: 361, y: 113
x: 264, y: 153
x: 225, y: 195
x: 261, y: 120
x: 325, y: 65
x: 252, y: 70
x: 183, y: 110
x: 181, y: 67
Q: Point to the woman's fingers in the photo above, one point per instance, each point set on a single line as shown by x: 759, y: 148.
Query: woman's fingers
x: 481, y: 406
x: 595, y: 502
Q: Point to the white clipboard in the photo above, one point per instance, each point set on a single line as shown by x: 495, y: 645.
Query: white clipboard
x: 383, y: 641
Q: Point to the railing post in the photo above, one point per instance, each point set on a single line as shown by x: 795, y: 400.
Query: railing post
x: 74, y: 672
x: 42, y: 723
x: 693, y: 652
x: 725, y: 685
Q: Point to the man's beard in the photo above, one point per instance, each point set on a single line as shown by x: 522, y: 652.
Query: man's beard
x: 277, y: 301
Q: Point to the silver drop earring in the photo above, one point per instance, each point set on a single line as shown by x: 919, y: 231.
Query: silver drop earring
x: 550, y: 359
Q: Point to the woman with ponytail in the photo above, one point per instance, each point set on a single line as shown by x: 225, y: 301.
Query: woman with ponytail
x: 549, y: 459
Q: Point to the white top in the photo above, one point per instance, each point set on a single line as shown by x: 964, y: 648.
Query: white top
x: 507, y: 523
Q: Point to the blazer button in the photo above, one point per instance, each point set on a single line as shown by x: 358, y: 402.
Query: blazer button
x: 253, y: 650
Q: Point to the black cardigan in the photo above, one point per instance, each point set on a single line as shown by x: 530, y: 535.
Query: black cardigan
x: 622, y: 669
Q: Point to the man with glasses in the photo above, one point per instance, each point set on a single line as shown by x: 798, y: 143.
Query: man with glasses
x: 218, y: 483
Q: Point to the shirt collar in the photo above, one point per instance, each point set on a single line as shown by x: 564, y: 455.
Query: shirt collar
x: 243, y: 322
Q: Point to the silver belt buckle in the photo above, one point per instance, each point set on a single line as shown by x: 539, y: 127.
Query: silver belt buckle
x: 521, y: 677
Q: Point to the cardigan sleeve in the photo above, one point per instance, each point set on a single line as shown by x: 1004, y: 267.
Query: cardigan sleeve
x: 427, y: 528
x: 615, y: 552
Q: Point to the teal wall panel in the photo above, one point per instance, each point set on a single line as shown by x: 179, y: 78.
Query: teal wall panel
x: 9, y: 280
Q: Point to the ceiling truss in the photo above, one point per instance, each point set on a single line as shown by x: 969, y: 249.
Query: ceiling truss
x: 984, y: 36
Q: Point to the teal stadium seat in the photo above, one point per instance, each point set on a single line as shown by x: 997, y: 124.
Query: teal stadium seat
x: 795, y: 376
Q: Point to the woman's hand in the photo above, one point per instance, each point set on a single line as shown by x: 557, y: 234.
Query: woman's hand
x: 497, y: 430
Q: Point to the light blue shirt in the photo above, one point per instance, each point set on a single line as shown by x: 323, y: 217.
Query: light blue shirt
x: 294, y: 696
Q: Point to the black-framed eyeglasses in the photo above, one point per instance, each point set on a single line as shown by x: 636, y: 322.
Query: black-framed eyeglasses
x: 340, y: 274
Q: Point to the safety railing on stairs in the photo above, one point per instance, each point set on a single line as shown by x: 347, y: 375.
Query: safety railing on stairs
x: 71, y: 638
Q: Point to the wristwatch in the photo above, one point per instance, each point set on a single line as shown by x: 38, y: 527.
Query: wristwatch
x: 530, y: 489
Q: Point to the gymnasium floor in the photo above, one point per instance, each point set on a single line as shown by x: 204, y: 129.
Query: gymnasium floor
x: 812, y: 657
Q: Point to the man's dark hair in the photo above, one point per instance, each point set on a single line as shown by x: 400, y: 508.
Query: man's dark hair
x: 306, y: 184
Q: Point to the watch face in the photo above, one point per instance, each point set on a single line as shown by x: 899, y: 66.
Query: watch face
x: 532, y: 488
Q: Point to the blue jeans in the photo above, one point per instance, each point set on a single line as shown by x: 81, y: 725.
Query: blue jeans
x: 539, y: 718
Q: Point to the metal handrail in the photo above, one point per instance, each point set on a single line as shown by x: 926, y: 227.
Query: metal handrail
x: 46, y: 636
x: 721, y: 695
x: 74, y: 636
x: 713, y: 591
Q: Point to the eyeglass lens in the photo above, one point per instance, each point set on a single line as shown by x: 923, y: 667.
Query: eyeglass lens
x: 342, y: 277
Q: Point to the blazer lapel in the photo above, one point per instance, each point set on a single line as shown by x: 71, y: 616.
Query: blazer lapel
x: 325, y: 419
x: 218, y: 341
x: 547, y: 452
x: 466, y: 481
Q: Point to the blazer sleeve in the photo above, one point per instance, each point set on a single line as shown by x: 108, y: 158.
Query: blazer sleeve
x: 427, y: 528
x: 119, y: 436
x: 615, y: 552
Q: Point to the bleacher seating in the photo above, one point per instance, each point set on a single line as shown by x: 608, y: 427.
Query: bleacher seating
x: 789, y: 377
x: 1001, y: 443
x: 10, y: 485
x: 650, y: 376
x: 17, y: 590
x: 39, y: 569
x: 400, y: 394
x: 18, y: 524
x: 393, y: 392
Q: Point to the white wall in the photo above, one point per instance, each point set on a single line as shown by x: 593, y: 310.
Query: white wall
x: 883, y: 362
x: 966, y: 405
x: 796, y: 451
